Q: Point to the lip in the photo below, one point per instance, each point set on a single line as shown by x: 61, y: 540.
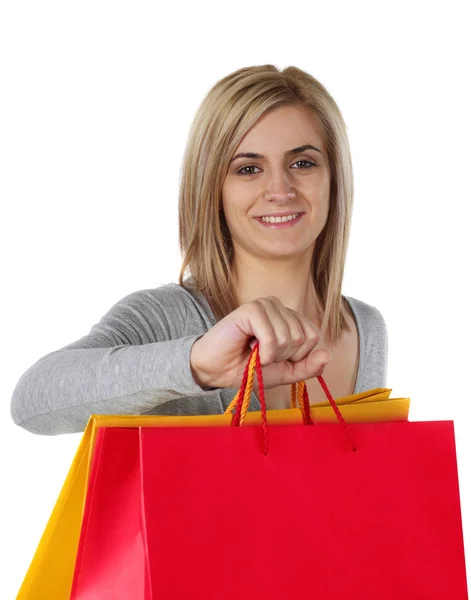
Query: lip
x: 284, y: 214
x: 286, y: 225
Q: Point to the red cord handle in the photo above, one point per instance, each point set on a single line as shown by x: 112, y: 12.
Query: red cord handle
x: 307, y: 418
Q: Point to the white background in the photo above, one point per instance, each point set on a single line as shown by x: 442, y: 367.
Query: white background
x: 96, y: 102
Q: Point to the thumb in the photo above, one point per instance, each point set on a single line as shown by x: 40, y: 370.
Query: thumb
x: 311, y: 366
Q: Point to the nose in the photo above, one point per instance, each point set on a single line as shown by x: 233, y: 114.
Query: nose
x: 279, y: 187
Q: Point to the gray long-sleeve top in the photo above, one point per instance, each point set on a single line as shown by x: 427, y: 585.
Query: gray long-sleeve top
x: 136, y: 360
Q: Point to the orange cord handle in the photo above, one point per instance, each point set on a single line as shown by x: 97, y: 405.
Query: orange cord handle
x: 299, y: 395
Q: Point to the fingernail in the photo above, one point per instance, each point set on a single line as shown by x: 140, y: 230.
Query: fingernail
x: 329, y: 359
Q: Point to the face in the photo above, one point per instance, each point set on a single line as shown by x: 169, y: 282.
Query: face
x: 283, y: 179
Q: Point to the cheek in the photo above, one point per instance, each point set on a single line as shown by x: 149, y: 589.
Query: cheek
x: 325, y: 194
x: 235, y: 201
x: 226, y: 201
x: 325, y: 185
x: 229, y: 192
x: 321, y: 190
x: 227, y: 205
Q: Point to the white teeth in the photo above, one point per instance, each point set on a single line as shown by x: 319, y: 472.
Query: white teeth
x: 280, y: 219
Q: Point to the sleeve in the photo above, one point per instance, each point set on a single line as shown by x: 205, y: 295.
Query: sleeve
x: 376, y: 350
x: 386, y: 353
x: 131, y: 361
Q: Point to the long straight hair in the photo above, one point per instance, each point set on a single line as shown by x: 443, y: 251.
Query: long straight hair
x: 229, y: 110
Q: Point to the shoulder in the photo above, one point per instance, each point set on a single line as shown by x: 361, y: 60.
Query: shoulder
x: 169, y: 307
x: 166, y: 296
x: 369, y: 318
x: 373, y: 340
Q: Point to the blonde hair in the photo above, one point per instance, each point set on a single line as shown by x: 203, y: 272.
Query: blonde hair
x: 229, y: 110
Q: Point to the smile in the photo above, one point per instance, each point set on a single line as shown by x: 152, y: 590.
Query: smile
x: 280, y: 222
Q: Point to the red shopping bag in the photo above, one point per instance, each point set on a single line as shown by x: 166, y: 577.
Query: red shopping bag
x: 274, y: 511
x: 112, y: 560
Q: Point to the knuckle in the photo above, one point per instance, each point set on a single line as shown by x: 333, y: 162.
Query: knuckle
x: 255, y: 307
x: 298, y: 340
x: 283, y: 342
x: 260, y: 305
x: 269, y: 341
x: 312, y: 332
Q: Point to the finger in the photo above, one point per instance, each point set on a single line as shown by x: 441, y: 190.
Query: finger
x: 277, y: 315
x: 307, y: 368
x: 304, y: 335
x: 311, y: 337
x: 253, y: 321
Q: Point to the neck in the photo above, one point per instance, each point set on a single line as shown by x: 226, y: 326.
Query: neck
x: 289, y: 280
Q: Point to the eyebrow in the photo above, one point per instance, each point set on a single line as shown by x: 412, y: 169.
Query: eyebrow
x: 287, y: 153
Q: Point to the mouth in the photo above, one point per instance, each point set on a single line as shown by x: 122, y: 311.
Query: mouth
x: 280, y: 223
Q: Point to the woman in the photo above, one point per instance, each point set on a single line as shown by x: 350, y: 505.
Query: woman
x: 264, y: 218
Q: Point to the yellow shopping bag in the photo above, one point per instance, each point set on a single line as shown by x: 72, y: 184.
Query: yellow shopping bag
x: 51, y: 572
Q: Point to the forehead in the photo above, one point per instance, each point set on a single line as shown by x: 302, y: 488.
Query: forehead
x: 283, y: 128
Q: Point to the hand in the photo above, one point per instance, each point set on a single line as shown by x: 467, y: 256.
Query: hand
x: 287, y: 342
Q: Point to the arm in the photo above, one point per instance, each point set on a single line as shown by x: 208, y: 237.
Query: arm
x: 135, y: 358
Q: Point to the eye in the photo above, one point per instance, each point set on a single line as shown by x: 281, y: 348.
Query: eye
x: 310, y: 165
x: 240, y: 171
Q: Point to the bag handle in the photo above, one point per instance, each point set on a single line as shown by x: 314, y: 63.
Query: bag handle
x: 298, y: 393
x: 241, y: 400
